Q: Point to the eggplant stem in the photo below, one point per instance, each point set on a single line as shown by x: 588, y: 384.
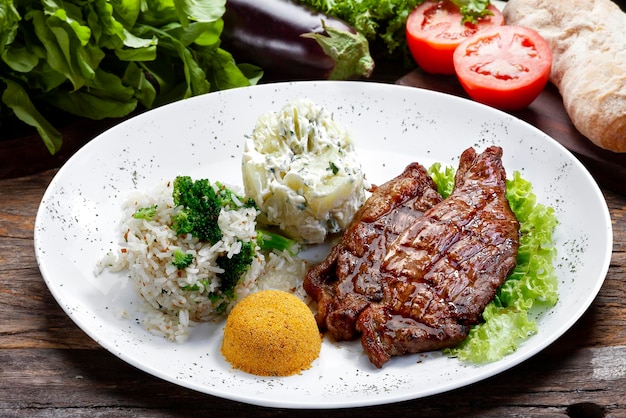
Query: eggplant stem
x: 350, y: 51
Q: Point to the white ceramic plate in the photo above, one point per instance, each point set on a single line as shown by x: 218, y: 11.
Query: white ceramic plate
x: 202, y: 137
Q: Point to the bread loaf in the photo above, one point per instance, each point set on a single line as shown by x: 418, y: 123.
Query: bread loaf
x: 588, y: 42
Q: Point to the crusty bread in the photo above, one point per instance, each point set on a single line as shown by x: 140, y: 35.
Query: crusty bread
x: 588, y: 41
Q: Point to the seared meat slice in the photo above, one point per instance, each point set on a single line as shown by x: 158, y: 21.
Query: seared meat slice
x: 413, y: 272
x: 446, y: 267
x: 350, y: 277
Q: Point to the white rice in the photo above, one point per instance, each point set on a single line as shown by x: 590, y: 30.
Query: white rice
x: 175, y: 299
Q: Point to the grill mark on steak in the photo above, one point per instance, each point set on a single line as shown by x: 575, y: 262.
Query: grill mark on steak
x: 346, y: 281
x: 414, y: 272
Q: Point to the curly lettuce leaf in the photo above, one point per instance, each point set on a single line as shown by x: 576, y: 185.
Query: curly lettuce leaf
x: 500, y: 335
x: 530, y: 289
x: 443, y: 178
x: 534, y: 279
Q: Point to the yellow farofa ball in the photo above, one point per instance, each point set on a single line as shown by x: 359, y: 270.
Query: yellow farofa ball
x: 271, y: 333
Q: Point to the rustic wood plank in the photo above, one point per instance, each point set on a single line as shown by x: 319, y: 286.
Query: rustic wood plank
x: 31, y: 316
x: 19, y: 201
x: 57, y: 380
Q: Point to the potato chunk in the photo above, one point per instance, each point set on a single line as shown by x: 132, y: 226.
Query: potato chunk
x: 301, y: 168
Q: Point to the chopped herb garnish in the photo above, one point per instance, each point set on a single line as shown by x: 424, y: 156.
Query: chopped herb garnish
x: 145, y: 213
x: 181, y: 260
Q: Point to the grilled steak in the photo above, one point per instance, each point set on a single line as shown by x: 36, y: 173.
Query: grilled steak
x: 350, y: 277
x: 414, y: 272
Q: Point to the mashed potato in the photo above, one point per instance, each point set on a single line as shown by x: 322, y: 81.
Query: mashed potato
x: 271, y: 333
x: 301, y: 168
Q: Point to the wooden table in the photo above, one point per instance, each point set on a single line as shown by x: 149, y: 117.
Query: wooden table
x: 51, y: 368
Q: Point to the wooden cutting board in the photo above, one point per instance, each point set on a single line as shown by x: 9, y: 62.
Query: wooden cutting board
x: 548, y: 114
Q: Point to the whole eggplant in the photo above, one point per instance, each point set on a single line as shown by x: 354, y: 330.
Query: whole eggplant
x: 289, y: 41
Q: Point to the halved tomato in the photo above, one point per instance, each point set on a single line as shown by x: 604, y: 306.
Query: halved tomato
x: 435, y: 28
x: 505, y: 67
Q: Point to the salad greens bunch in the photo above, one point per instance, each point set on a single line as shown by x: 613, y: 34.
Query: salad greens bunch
x: 528, y: 291
x: 104, y: 58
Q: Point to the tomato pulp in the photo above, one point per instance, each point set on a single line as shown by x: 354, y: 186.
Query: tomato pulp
x: 505, y: 67
x: 435, y: 28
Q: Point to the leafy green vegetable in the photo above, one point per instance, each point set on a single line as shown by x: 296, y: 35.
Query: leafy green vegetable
x: 269, y: 241
x: 16, y: 98
x: 104, y: 58
x: 350, y: 51
x: 385, y: 20
x: 181, y: 260
x: 529, y: 290
x: 146, y: 213
x: 235, y: 267
x: 201, y: 203
x: 443, y: 178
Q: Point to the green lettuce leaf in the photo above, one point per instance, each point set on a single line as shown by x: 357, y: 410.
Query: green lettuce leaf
x: 103, y: 58
x: 107, y: 97
x: 65, y: 51
x: 144, y: 89
x: 16, y: 98
x: 443, y: 178
x: 500, y: 335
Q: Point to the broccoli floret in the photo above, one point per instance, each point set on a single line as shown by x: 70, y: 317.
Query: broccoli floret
x: 200, y: 204
x: 181, y: 260
x: 269, y: 241
x: 145, y: 213
x: 201, y: 284
x: 228, y: 198
x: 200, y: 209
x: 235, y: 267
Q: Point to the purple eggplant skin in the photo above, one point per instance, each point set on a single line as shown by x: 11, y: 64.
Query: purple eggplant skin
x: 268, y: 34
